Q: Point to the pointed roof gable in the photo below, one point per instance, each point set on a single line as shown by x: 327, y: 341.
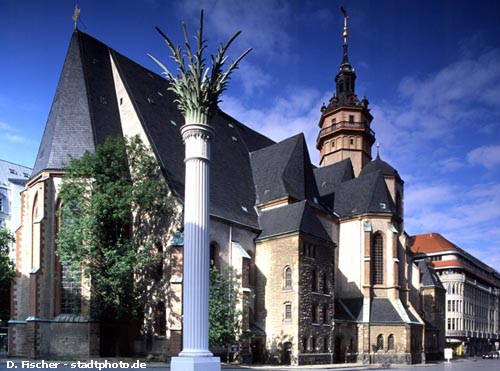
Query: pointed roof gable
x: 383, y: 167
x: 329, y: 177
x: 84, y: 110
x: 428, y: 276
x: 364, y: 194
x: 283, y: 170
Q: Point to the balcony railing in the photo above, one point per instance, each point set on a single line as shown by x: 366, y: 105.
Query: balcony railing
x: 346, y: 125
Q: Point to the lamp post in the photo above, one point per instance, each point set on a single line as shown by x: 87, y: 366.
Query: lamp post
x: 197, y: 98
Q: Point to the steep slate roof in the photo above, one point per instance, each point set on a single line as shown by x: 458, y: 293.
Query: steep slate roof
x: 428, y: 276
x: 364, y: 194
x: 284, y: 169
x: 299, y: 216
x: 328, y: 178
x: 85, y: 111
x: 382, y: 166
x: 247, y: 167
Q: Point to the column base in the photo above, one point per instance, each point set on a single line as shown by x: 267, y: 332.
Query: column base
x: 195, y: 364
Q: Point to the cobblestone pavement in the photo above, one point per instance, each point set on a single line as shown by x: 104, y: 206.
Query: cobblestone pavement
x: 469, y: 364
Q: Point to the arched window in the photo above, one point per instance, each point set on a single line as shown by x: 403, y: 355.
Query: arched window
x: 287, y: 311
x: 377, y: 259
x: 325, y: 283
x: 390, y: 342
x: 287, y: 278
x: 380, y: 342
x: 35, y: 234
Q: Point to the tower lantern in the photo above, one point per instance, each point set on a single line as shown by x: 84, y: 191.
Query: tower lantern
x: 345, y: 130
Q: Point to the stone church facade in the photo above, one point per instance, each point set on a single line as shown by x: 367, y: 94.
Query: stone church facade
x: 325, y: 264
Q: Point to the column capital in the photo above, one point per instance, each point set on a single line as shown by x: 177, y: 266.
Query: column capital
x: 203, y: 131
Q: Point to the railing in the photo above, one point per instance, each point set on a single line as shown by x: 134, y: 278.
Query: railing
x: 346, y: 125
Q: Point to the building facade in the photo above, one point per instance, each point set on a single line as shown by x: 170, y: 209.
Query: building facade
x: 472, y: 294
x: 324, y: 260
x: 13, y: 179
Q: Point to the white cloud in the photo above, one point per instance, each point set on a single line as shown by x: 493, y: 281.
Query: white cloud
x: 433, y: 110
x: 487, y: 156
x: 263, y: 22
x: 297, y: 112
x: 9, y: 133
x: 252, y: 77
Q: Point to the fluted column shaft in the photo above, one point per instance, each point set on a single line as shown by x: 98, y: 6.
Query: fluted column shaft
x: 197, y: 138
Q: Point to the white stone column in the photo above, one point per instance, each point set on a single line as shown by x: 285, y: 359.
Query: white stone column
x: 195, y: 355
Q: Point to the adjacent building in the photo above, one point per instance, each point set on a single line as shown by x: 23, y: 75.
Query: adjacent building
x: 13, y: 178
x: 472, y: 294
x: 326, y: 266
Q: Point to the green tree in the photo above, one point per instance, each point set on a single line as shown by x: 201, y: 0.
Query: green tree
x: 223, y: 315
x: 7, y: 273
x: 115, y: 209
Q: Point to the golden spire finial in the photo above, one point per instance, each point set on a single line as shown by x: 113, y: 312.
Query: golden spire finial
x: 344, y: 34
x: 76, y: 14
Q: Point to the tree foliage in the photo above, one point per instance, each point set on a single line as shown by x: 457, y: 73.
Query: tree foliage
x: 7, y: 273
x: 114, y: 208
x: 223, y: 315
x: 198, y: 93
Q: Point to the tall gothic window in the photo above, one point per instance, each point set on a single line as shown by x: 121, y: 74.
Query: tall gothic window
x: 71, y: 293
x: 288, y: 278
x: 68, y: 291
x: 378, y: 259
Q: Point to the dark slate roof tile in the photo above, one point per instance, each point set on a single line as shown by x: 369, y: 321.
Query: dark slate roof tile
x: 295, y: 217
x: 428, y: 276
x: 382, y: 311
x: 382, y: 166
x: 84, y: 110
x: 364, y: 194
x: 284, y: 170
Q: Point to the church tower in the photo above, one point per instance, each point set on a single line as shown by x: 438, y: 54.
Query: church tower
x: 345, y: 123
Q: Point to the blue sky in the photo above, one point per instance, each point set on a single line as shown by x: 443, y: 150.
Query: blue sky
x: 430, y: 69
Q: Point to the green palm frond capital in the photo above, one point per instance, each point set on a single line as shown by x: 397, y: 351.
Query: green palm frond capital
x: 198, y: 87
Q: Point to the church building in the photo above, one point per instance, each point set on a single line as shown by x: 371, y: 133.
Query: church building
x: 326, y: 267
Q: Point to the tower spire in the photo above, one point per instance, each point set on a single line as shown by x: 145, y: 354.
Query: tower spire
x: 346, y: 65
x: 345, y: 121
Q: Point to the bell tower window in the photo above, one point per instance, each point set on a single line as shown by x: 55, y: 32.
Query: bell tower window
x: 378, y: 259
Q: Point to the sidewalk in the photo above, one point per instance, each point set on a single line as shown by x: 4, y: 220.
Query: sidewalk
x: 166, y: 366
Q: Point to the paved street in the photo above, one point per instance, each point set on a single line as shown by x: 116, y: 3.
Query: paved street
x: 470, y: 364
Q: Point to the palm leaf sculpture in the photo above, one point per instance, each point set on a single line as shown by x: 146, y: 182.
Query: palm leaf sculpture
x: 197, y: 93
